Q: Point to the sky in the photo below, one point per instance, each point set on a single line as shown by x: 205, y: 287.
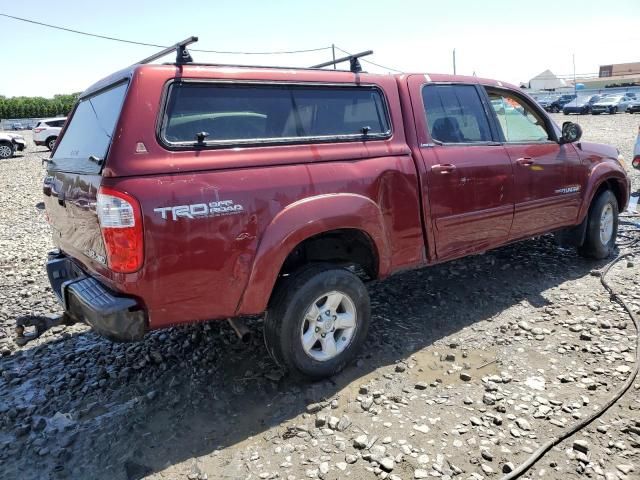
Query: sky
x: 506, y: 40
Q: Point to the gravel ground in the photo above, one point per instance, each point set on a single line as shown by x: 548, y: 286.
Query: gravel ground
x: 468, y: 368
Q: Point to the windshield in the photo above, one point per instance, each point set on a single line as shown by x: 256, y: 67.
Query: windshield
x: 86, y: 141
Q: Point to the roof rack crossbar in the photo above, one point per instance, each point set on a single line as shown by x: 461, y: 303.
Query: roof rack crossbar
x: 182, y: 54
x: 354, y: 63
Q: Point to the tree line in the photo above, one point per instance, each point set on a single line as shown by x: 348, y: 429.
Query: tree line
x: 34, y: 107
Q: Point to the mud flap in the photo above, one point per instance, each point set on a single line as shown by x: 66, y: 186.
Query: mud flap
x: 573, y: 236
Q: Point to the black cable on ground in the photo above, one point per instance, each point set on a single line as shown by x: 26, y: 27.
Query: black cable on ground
x: 538, y: 454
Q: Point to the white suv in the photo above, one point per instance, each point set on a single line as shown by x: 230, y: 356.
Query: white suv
x: 46, y: 131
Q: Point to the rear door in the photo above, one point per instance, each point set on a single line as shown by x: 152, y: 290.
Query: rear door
x: 548, y: 184
x: 74, y: 174
x: 469, y: 179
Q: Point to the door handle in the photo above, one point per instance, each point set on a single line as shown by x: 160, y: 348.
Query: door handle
x: 525, y: 161
x: 443, y: 169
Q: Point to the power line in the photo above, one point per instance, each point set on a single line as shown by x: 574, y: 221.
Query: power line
x: 372, y: 63
x: 144, y: 44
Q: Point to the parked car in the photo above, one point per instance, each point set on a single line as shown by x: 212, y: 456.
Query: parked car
x: 610, y: 105
x: 46, y: 131
x: 580, y: 105
x: 202, y: 192
x: 630, y: 95
x: 545, y: 102
x: 17, y: 126
x: 10, y: 143
x: 633, y: 106
x: 557, y: 105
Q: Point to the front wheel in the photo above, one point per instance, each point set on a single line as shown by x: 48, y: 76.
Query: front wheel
x: 6, y: 150
x: 51, y: 142
x: 317, y: 320
x: 614, y: 110
x: 602, y: 227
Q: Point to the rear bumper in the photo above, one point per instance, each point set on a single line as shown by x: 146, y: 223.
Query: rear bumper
x: 114, y: 316
x: 40, y: 143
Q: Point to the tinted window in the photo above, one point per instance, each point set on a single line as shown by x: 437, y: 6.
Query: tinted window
x: 89, y: 131
x: 232, y: 114
x: 518, y: 121
x: 455, y: 114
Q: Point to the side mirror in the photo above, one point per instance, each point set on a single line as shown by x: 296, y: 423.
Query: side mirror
x: 571, y: 132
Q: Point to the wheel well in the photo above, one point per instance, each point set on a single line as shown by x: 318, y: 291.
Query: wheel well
x: 347, y: 247
x: 614, y: 187
x: 51, y: 137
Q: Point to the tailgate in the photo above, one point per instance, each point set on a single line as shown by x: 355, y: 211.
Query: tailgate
x: 74, y: 174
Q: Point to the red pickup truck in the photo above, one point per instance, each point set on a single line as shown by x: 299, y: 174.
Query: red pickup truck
x: 186, y: 192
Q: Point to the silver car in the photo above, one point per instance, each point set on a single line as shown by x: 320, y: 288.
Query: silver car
x: 611, y: 105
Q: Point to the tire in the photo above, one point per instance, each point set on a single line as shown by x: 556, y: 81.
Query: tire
x: 614, y: 110
x: 51, y: 142
x: 555, y: 110
x: 6, y: 150
x: 291, y: 317
x: 600, y: 238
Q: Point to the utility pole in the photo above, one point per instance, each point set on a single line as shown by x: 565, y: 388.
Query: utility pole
x: 454, y: 61
x: 333, y: 51
x: 575, y: 87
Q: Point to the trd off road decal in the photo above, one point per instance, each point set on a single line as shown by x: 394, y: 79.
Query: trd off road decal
x: 571, y: 189
x: 197, y: 210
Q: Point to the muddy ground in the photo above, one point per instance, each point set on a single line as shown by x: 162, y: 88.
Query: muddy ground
x: 468, y: 368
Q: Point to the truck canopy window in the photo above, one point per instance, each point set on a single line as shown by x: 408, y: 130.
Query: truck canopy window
x: 232, y: 114
x: 455, y: 114
x: 85, y: 144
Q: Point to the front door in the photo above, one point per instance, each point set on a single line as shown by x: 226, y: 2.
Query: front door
x: 468, y: 178
x: 547, y: 189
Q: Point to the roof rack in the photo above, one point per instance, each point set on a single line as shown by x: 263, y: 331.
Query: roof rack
x: 354, y: 63
x: 182, y: 54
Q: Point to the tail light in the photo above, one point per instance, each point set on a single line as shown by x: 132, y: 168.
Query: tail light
x: 636, y: 162
x: 121, y: 225
x: 38, y: 130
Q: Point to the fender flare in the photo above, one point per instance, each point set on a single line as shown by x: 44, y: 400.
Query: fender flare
x: 302, y: 220
x: 600, y: 174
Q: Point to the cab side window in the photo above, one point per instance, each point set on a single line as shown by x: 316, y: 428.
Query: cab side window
x: 455, y: 114
x: 518, y: 121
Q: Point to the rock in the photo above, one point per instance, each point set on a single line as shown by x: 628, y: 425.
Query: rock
x: 508, y: 467
x: 421, y: 386
x: 360, y: 442
x: 475, y: 421
x: 465, y: 377
x: 350, y: 459
x: 321, y: 421
x: 314, y: 407
x: 366, y: 403
x: 523, y: 424
x: 487, y: 455
x: 400, y: 367
x: 324, y: 468
x: 524, y: 326
x: 581, y: 446
x: 535, y: 383
x: 341, y: 466
x: 625, y: 468
x: 421, y: 428
x: 420, y: 473
x: 486, y: 469
x: 623, y: 369
x: 387, y: 464
x: 343, y: 424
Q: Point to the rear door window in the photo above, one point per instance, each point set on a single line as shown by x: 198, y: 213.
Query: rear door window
x: 86, y: 141
x: 231, y: 114
x: 455, y: 114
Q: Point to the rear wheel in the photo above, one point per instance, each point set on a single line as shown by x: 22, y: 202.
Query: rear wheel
x: 602, y: 227
x: 6, y: 150
x: 51, y: 142
x: 614, y: 110
x: 317, y: 320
